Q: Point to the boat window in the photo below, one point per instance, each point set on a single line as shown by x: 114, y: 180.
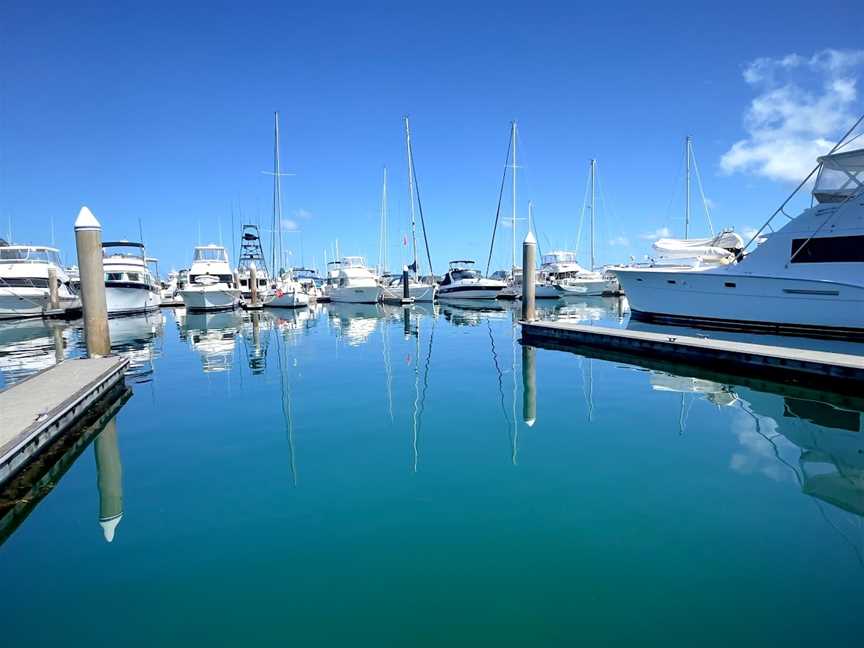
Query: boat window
x: 210, y: 254
x: 113, y: 276
x: 130, y: 251
x: 134, y: 276
x: 24, y: 282
x: 460, y: 275
x: 828, y: 249
x: 29, y: 254
x: 12, y: 254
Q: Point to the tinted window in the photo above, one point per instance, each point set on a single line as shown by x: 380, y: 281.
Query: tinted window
x: 113, y: 276
x: 834, y: 249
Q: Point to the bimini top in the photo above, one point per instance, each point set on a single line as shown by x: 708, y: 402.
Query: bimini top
x: 460, y: 263
x: 121, y: 244
x: 353, y: 262
x: 840, y: 177
x: 558, y: 256
x: 128, y: 249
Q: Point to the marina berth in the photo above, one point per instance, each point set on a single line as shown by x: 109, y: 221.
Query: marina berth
x: 350, y: 281
x: 24, y: 282
x: 806, y: 278
x: 462, y: 281
x: 130, y: 288
x: 211, y: 283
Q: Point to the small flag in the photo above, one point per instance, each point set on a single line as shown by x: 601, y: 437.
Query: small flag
x: 404, y: 240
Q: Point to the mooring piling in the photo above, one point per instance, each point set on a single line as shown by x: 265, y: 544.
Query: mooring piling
x: 88, y: 242
x: 253, y: 284
x: 529, y: 261
x: 53, y: 289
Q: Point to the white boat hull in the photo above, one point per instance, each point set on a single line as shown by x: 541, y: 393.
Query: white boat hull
x: 588, y: 287
x: 723, y: 298
x: 210, y: 298
x: 473, y: 293
x: 416, y: 291
x: 355, y: 295
x: 288, y: 300
x: 546, y: 291
x: 17, y: 302
x: 128, y: 301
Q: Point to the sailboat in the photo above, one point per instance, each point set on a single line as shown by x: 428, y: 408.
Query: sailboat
x: 514, y: 279
x: 576, y: 280
x: 419, y: 290
x: 718, y: 249
x: 287, y: 291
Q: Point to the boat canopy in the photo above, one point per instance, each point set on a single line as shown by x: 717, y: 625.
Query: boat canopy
x: 558, y: 256
x: 123, y: 249
x: 29, y: 254
x: 841, y: 176
x: 724, y: 246
x: 210, y: 253
x: 461, y: 263
x: 353, y: 262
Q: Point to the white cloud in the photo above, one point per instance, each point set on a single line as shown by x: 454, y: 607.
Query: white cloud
x: 748, y: 232
x: 619, y: 240
x: 802, y: 105
x: 303, y: 214
x: 290, y: 225
x: 663, y: 232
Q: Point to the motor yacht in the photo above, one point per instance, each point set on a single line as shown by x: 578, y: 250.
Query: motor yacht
x: 462, y: 281
x: 129, y: 286
x: 806, y: 278
x: 211, y: 284
x: 350, y: 281
x: 561, y: 275
x: 24, y: 281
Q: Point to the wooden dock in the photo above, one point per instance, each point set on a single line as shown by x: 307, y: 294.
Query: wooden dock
x: 789, y: 365
x: 34, y: 411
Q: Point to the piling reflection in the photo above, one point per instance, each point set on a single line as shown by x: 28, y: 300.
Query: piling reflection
x: 529, y: 385
x: 109, y: 478
x: 136, y: 337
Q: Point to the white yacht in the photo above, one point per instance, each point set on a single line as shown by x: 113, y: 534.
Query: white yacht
x: 350, y: 281
x: 462, y: 281
x: 806, y: 278
x: 211, y: 284
x: 288, y: 293
x: 129, y: 286
x: 24, y: 281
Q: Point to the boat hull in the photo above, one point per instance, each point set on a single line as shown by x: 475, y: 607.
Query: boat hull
x: 17, y: 303
x: 588, y: 287
x: 417, y: 292
x: 470, y: 292
x: 355, y: 295
x: 210, y: 298
x: 130, y: 300
x: 723, y: 299
x: 546, y: 291
x: 288, y: 300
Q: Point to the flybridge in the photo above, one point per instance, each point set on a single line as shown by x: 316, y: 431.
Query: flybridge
x: 841, y: 176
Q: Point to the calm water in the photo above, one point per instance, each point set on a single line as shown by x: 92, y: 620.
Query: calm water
x: 359, y: 475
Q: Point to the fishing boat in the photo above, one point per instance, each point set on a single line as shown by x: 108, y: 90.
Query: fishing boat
x: 352, y: 282
x: 24, y: 281
x: 288, y: 293
x: 251, y: 253
x: 806, y: 278
x: 130, y: 288
x: 211, y: 284
x: 462, y: 281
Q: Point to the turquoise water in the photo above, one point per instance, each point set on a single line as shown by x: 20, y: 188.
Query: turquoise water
x: 361, y: 475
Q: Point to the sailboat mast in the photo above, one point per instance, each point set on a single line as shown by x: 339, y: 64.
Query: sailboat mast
x: 513, y: 144
x: 382, y: 244
x: 411, y: 193
x: 687, y: 155
x: 593, y: 176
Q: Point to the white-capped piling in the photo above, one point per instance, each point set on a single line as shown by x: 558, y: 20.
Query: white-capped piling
x: 53, y: 289
x: 109, y: 477
x: 88, y: 242
x: 529, y: 262
x: 529, y: 384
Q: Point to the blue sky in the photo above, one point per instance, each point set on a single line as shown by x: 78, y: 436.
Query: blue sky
x: 164, y: 114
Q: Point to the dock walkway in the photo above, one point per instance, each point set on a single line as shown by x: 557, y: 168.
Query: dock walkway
x: 34, y: 411
x: 784, y: 363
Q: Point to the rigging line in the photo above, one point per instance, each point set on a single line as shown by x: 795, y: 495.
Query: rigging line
x: 426, y: 376
x: 701, y: 190
x: 582, y: 215
x: 420, y: 209
x: 675, y: 189
x: 498, y: 210
x: 798, y: 188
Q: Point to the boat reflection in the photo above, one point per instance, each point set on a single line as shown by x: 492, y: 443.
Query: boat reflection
x: 255, y: 333
x: 212, y: 335
x: 354, y: 323
x: 134, y: 337
x: 294, y: 322
x: 584, y: 309
x: 472, y: 312
x: 31, y: 345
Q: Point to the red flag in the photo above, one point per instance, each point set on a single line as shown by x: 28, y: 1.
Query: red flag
x: 404, y: 240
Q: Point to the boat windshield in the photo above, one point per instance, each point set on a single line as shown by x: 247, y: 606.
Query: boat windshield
x: 459, y: 275
x: 353, y: 262
x: 14, y: 254
x: 210, y: 254
x: 558, y: 257
x: 841, y: 176
x: 121, y: 250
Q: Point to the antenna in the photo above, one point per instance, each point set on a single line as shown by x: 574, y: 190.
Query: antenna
x: 687, y: 155
x: 140, y: 231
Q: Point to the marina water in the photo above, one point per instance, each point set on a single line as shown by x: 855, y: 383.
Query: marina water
x: 365, y: 475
